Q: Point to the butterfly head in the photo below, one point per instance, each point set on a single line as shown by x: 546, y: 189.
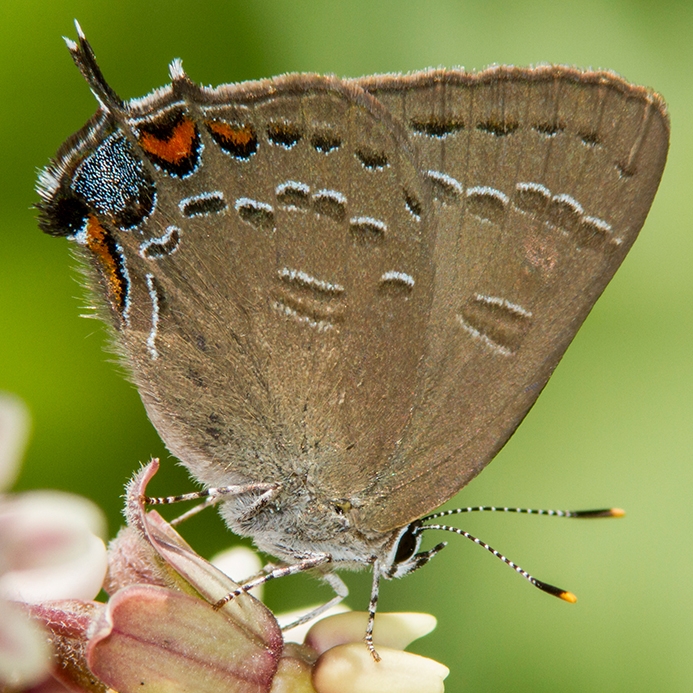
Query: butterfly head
x: 404, y: 556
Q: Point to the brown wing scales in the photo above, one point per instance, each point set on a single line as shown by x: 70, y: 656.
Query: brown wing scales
x: 553, y: 172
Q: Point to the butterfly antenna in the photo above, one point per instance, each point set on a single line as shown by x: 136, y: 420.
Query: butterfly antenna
x: 543, y: 586
x: 584, y: 514
x: 84, y: 58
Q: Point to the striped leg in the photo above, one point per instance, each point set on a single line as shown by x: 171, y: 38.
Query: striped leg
x: 372, y: 606
x: 211, y: 496
x: 306, y: 563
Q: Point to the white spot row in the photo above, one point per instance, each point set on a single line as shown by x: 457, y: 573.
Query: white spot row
x: 503, y: 303
x: 563, y: 198
x: 485, y: 190
x: 319, y: 325
x: 447, y: 181
x: 303, y: 279
x: 453, y: 185
x: 255, y: 204
x: 369, y: 223
x: 534, y: 187
x: 602, y: 226
x: 164, y: 245
x: 332, y: 195
x: 485, y: 339
x: 151, y: 339
x: 398, y: 277
x: 570, y: 202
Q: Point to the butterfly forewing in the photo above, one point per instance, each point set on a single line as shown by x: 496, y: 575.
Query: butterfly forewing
x: 287, y: 258
x: 541, y: 180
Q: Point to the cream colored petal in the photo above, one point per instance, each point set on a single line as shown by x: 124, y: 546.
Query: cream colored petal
x: 293, y: 676
x: 395, y: 630
x: 351, y: 669
x: 299, y: 633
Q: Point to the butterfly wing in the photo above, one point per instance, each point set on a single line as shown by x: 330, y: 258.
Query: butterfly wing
x: 541, y: 179
x: 263, y: 253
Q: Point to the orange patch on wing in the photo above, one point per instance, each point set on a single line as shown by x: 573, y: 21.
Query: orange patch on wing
x: 100, y: 242
x: 175, y: 148
x: 240, y: 136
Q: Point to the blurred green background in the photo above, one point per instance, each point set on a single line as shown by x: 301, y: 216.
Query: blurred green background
x: 612, y: 428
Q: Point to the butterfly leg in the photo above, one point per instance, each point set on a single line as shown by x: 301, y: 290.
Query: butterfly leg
x: 306, y: 563
x: 260, y: 503
x: 372, y: 606
x: 341, y: 592
x: 211, y: 496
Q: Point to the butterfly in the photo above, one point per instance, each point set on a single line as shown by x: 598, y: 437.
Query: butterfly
x: 338, y: 298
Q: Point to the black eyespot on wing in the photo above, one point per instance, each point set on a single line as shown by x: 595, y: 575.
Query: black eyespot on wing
x: 240, y: 141
x: 325, y: 142
x: 371, y: 159
x: 285, y: 135
x: 64, y: 215
x: 413, y: 205
x: 436, y: 127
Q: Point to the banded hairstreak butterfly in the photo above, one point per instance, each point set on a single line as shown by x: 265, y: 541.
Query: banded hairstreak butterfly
x: 340, y: 297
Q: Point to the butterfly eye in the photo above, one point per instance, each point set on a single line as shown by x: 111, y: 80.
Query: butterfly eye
x: 408, y: 543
